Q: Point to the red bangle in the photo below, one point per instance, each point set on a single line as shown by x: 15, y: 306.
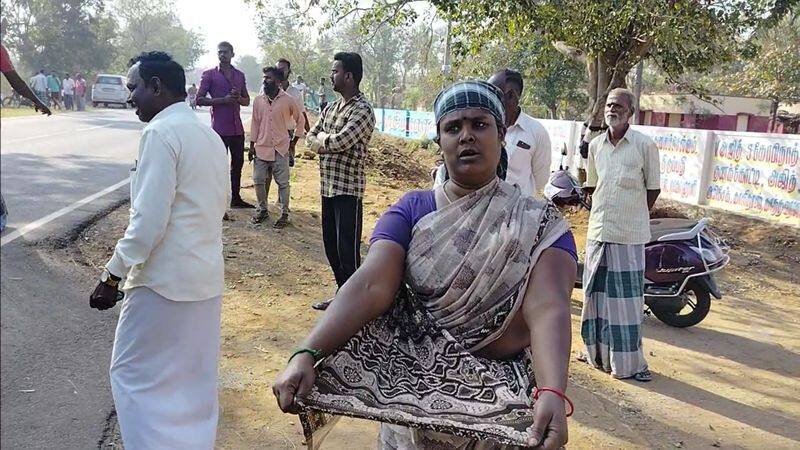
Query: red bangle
x: 538, y: 390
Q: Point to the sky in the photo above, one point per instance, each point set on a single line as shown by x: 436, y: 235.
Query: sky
x: 228, y: 20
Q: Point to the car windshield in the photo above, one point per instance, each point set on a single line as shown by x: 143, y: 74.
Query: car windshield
x: 109, y: 80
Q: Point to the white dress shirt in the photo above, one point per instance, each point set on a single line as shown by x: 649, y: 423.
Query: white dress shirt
x: 298, y: 97
x: 529, y: 154
x: 179, y: 191
x: 621, y: 175
x: 68, y: 86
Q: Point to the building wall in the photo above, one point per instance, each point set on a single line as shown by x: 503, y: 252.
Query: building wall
x: 758, y: 124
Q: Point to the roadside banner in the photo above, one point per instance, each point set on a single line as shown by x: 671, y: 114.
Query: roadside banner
x: 682, y: 155
x: 756, y: 174
x: 421, y: 125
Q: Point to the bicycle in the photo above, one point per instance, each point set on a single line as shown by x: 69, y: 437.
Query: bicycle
x: 14, y: 100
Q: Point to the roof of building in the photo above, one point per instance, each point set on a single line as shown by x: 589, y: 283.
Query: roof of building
x: 722, y: 105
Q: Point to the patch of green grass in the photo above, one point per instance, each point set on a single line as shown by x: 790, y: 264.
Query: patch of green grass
x: 17, y: 112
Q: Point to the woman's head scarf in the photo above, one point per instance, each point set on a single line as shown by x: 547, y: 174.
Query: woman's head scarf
x: 473, y: 94
x: 470, y: 94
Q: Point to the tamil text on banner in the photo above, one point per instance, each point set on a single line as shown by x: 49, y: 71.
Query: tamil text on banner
x: 394, y: 122
x: 681, y: 154
x: 421, y: 125
x: 756, y: 174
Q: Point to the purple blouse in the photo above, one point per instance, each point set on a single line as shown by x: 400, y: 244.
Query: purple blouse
x: 398, y: 221
x: 225, y: 119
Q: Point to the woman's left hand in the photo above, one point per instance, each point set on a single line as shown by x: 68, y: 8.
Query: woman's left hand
x: 549, y: 429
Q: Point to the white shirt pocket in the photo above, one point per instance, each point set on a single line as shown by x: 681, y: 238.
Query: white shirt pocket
x: 630, y: 177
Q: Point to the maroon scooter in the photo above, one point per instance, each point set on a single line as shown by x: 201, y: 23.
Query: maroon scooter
x: 680, y: 260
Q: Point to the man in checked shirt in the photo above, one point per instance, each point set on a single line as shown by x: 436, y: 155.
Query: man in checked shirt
x: 340, y: 138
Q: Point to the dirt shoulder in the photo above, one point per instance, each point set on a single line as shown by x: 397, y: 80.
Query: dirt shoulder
x: 729, y: 382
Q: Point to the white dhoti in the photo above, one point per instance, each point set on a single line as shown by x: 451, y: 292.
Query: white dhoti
x: 164, y: 371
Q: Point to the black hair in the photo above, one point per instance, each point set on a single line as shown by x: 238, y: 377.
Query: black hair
x: 512, y: 76
x: 351, y: 62
x: 287, y: 62
x: 161, y: 65
x: 226, y: 44
x: 276, y: 73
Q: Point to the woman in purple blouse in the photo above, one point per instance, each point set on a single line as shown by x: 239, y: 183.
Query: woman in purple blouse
x: 464, y: 295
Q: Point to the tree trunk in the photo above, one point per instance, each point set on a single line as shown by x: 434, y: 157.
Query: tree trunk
x: 774, y: 111
x: 553, y: 111
x: 604, y: 76
x: 606, y: 71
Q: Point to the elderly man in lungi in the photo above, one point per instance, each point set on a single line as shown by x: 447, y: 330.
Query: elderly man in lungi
x: 166, y: 348
x: 623, y: 179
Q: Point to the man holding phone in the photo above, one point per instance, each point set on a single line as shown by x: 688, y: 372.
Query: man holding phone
x: 227, y: 88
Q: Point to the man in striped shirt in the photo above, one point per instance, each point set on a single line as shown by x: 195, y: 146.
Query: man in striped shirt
x: 623, y: 178
x: 340, y: 137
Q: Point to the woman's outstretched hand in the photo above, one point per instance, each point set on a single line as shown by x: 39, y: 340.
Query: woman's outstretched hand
x: 295, y: 382
x: 549, y: 429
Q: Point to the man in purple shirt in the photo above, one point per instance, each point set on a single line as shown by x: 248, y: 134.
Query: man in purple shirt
x: 228, y: 90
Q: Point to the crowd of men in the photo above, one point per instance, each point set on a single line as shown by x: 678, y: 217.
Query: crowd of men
x: 183, y: 183
x: 68, y: 93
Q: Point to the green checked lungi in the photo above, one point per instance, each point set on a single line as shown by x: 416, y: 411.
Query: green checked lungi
x: 613, y: 302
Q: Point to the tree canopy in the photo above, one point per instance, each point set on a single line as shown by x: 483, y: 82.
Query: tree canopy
x: 92, y: 36
x: 65, y: 36
x: 608, y: 37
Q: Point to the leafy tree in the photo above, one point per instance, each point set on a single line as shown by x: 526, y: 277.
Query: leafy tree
x: 153, y: 25
x: 774, y: 71
x: 249, y: 65
x: 285, y: 37
x: 555, y: 85
x: 609, y: 37
x: 66, y: 35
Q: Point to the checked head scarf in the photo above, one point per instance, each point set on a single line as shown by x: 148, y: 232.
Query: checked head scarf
x: 473, y: 94
x: 470, y: 94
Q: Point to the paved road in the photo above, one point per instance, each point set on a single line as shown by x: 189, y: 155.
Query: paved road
x: 54, y: 350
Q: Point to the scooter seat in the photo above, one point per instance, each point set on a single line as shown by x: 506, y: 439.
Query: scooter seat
x: 663, y: 227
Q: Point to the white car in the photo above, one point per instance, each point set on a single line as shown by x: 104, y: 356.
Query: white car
x: 109, y: 89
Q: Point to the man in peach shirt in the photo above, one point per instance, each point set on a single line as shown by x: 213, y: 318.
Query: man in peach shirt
x: 270, y: 140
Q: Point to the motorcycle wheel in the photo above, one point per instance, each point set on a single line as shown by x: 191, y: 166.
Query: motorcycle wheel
x: 698, y: 303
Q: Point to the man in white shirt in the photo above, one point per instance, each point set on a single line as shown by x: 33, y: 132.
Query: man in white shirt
x: 39, y: 86
x: 623, y: 179
x: 166, y: 347
x: 527, y: 141
x: 301, y: 86
x: 286, y: 66
x: 68, y: 91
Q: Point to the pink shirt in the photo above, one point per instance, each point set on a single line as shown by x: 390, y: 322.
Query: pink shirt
x: 270, y: 124
x: 5, y: 61
x: 80, y: 87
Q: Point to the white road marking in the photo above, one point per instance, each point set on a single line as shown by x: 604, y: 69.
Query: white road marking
x: 10, y: 237
x: 14, y: 141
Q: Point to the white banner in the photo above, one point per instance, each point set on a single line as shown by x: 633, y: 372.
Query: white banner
x: 681, y: 153
x: 756, y: 174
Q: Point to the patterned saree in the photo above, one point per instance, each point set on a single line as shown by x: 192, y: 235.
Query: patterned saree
x: 467, y: 269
